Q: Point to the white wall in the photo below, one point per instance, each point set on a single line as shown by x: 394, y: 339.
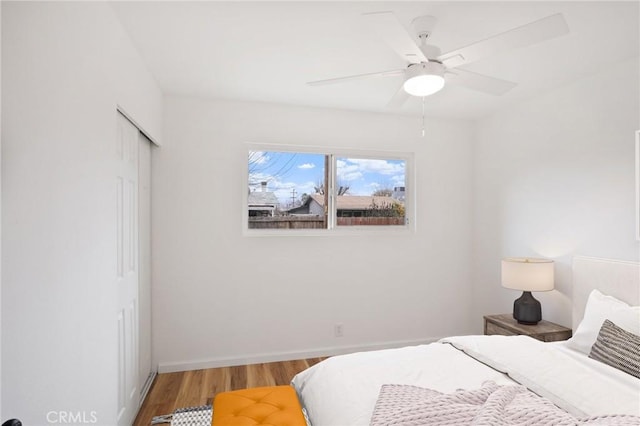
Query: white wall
x: 554, y: 177
x: 220, y: 297
x: 61, y: 85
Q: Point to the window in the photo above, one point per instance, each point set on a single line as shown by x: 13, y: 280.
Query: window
x: 299, y: 190
x: 371, y: 191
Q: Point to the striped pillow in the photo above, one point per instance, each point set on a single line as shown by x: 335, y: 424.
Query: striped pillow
x: 618, y: 348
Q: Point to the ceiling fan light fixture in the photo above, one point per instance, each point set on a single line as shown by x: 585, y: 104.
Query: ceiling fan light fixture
x: 424, y: 79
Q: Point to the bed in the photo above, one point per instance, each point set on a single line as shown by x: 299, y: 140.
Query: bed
x: 491, y: 379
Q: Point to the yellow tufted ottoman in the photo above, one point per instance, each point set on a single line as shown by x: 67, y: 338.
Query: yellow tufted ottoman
x: 265, y: 406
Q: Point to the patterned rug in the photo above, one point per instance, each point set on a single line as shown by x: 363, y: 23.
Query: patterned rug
x: 190, y: 416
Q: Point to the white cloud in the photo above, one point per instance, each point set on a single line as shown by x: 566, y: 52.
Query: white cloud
x: 307, y: 166
x: 384, y: 167
x: 398, y: 180
x: 351, y: 169
x: 349, y: 177
x: 348, y: 172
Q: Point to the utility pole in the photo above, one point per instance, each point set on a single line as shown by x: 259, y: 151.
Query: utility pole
x: 293, y: 197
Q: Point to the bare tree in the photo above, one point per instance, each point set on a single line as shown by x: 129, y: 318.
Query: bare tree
x: 393, y: 209
x: 383, y: 192
x: 341, y: 189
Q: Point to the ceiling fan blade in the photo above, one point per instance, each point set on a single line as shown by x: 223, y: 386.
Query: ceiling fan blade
x: 395, y: 35
x: 479, y: 82
x: 390, y: 73
x: 398, y: 99
x: 526, y: 35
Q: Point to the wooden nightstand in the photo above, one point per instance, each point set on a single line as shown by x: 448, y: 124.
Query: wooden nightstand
x: 505, y: 325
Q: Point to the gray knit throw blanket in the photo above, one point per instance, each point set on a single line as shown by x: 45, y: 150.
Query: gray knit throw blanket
x: 491, y: 405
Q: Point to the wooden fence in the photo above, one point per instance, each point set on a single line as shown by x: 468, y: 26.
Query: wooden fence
x: 365, y: 221
x: 315, y: 222
x: 286, y: 222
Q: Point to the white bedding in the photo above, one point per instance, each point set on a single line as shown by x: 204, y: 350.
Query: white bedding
x: 342, y: 390
x: 571, y: 380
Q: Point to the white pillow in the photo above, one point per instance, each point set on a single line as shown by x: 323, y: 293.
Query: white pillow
x: 599, y: 308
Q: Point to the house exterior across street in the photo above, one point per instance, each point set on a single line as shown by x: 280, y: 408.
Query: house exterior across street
x: 347, y: 205
x: 263, y: 202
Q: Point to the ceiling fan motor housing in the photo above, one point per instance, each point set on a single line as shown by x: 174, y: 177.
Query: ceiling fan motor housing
x: 425, y: 68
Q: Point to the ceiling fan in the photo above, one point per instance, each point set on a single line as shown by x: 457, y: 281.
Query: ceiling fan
x: 428, y: 69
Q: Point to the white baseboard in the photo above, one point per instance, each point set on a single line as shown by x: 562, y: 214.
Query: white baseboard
x: 172, y: 367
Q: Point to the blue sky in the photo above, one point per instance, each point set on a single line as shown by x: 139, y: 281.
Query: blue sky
x: 286, y: 171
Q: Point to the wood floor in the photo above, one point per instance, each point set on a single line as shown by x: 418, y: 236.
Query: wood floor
x: 193, y: 388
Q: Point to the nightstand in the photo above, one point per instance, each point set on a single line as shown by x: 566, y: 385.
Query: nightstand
x: 505, y: 325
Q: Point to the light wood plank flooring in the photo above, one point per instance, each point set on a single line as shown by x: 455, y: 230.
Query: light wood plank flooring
x: 193, y: 388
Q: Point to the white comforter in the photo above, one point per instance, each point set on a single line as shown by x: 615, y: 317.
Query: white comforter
x: 342, y: 390
x: 571, y: 380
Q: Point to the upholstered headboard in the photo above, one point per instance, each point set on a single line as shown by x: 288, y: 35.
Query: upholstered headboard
x: 618, y: 278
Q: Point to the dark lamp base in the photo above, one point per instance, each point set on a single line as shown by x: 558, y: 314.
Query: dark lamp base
x: 526, y: 309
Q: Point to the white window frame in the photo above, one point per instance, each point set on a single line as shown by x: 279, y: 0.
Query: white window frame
x: 332, y: 227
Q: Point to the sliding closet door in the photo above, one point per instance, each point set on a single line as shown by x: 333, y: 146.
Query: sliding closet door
x: 127, y: 270
x: 145, y: 374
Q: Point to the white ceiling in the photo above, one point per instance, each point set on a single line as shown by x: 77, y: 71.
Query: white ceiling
x: 267, y: 51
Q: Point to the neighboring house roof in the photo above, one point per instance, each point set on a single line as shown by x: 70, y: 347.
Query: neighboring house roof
x: 261, y: 198
x: 357, y: 202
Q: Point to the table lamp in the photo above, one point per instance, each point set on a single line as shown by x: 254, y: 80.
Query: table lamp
x: 527, y: 274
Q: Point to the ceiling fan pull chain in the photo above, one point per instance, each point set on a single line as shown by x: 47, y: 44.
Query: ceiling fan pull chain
x: 423, y: 132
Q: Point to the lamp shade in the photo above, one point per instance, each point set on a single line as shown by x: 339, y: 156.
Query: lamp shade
x: 424, y: 79
x: 527, y: 274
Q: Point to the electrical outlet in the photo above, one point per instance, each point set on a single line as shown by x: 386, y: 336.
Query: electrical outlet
x: 338, y: 330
